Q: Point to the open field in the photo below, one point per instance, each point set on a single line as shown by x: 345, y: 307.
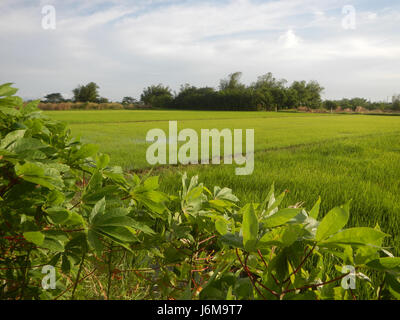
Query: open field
x: 339, y: 157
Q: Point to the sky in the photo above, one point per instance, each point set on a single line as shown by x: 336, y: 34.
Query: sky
x: 352, y: 48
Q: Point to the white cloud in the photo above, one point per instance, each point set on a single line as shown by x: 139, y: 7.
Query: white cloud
x: 289, y: 39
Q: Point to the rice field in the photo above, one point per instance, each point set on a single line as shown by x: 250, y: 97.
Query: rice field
x: 337, y: 157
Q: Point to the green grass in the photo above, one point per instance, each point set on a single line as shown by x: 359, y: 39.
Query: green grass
x: 339, y: 157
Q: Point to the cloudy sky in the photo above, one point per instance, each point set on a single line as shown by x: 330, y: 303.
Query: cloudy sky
x: 126, y: 45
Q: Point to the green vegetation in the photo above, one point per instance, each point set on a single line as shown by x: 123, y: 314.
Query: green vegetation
x: 115, y: 235
x: 267, y: 93
x: 334, y: 156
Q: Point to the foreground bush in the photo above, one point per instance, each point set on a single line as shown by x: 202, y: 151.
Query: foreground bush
x: 114, y: 235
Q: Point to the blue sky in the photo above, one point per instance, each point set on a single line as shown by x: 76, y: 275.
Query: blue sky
x: 125, y: 46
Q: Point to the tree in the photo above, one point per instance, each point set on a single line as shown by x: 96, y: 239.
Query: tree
x: 270, y: 93
x: 88, y: 93
x: 330, y: 105
x: 54, y: 98
x: 396, y: 102
x: 314, y: 91
x: 232, y: 82
x: 308, y: 94
x: 128, y: 100
x: 157, y: 96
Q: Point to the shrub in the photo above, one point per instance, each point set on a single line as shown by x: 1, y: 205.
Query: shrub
x: 63, y: 205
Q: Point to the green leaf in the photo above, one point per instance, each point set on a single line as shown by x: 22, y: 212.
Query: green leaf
x: 221, y: 226
x: 39, y: 174
x: 11, y: 138
x: 120, y: 233
x: 123, y: 222
x: 6, y: 90
x: 58, y: 215
x: 99, y: 208
x: 65, y: 264
x: 95, y: 242
x: 314, y: 213
x: 52, y: 244
x: 249, y: 227
x: 357, y: 236
x: 281, y: 217
x: 233, y: 240
x: 85, y: 151
x: 283, y: 236
x: 224, y: 194
x: 274, y: 203
x: 151, y: 183
x: 35, y: 237
x: 102, y: 161
x: 75, y: 219
x: 334, y: 221
x: 394, y: 285
x: 388, y: 264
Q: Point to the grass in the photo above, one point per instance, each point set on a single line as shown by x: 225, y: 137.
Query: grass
x: 339, y: 157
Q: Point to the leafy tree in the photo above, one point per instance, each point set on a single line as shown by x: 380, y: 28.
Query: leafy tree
x: 157, y: 96
x: 330, y: 105
x: 232, y: 82
x: 102, y: 100
x: 314, y: 91
x: 128, y: 100
x: 54, y: 98
x: 270, y: 93
x: 396, y: 102
x: 87, y: 93
x: 308, y: 94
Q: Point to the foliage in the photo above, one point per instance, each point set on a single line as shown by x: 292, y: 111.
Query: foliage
x: 396, y: 102
x: 54, y: 98
x: 128, y: 101
x: 87, y: 93
x: 267, y: 93
x: 157, y: 96
x: 62, y: 204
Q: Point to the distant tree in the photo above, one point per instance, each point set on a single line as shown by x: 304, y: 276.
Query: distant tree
x: 314, y: 91
x: 330, y: 105
x: 232, y: 82
x: 300, y: 89
x: 308, y: 94
x: 291, y: 98
x: 129, y: 100
x: 396, y: 102
x: 54, y: 98
x: 88, y: 93
x: 102, y: 100
x: 157, y: 96
x: 271, y: 93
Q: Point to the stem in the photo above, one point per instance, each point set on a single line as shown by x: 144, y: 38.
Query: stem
x: 78, y: 275
x: 266, y: 266
x: 26, y: 271
x: 109, y: 272
x: 301, y: 264
x: 317, y: 285
x: 254, y: 280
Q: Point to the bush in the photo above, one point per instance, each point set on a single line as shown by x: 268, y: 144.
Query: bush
x: 63, y: 205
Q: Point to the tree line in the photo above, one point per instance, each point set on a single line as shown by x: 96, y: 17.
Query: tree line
x: 267, y: 93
